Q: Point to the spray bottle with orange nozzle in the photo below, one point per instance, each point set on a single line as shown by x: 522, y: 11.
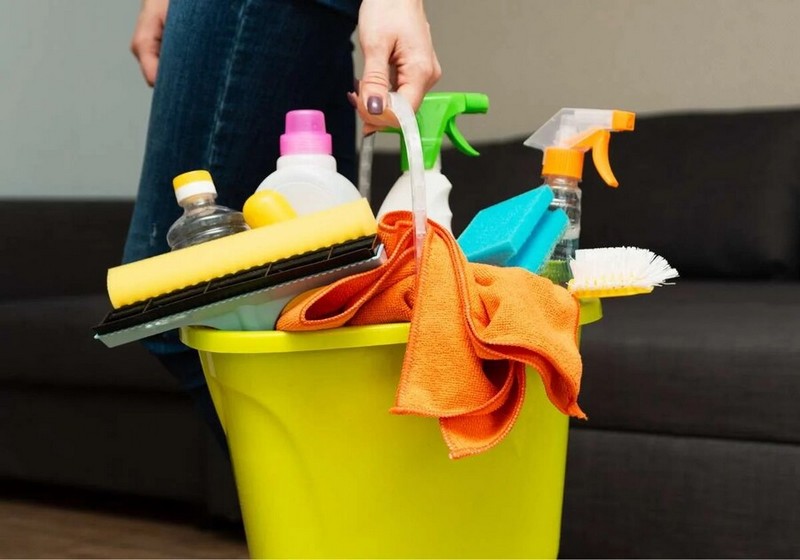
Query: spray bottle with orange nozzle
x: 565, y: 138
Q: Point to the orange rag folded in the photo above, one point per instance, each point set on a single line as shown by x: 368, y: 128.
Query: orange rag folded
x: 473, y: 330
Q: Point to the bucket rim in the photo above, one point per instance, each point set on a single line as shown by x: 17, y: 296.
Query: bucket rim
x: 207, y: 339
x: 272, y: 342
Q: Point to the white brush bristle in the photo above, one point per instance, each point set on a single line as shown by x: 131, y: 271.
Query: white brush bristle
x: 619, y: 267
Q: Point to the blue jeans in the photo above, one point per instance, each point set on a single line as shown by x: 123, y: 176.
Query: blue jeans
x: 228, y: 73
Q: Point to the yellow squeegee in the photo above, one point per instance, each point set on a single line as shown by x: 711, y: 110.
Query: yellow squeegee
x: 152, y: 277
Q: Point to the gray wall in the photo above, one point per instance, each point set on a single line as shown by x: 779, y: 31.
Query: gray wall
x: 533, y: 57
x: 73, y: 107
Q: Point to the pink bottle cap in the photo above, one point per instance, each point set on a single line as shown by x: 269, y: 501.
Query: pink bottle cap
x: 305, y: 133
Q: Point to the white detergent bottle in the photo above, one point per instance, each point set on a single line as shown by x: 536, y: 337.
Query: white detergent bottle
x: 306, y: 173
x: 436, y: 117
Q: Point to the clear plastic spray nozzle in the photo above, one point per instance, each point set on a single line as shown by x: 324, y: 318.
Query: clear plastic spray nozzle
x: 569, y: 127
x: 570, y: 133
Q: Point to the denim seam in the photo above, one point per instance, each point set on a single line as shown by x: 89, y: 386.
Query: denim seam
x: 211, y: 150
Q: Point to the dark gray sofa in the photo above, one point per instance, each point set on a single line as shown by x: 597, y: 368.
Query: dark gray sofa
x: 692, y: 444
x: 73, y: 413
x: 692, y: 447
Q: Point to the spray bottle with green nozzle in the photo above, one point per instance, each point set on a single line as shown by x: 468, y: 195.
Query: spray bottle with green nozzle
x: 565, y: 138
x: 436, y: 117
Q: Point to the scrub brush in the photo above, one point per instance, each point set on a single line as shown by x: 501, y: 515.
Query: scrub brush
x: 617, y: 271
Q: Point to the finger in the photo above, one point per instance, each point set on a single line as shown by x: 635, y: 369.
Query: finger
x: 146, y: 44
x: 375, y: 81
x: 414, y: 82
x: 437, y: 72
x: 146, y: 48
x: 148, y: 62
x: 353, y: 99
x: 373, y: 122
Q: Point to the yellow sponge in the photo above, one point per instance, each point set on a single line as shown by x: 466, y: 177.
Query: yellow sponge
x: 148, y: 278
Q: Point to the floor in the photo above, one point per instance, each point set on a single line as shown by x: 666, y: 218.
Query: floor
x: 35, y: 525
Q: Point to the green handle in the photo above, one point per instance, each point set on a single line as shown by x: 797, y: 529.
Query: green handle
x: 437, y: 116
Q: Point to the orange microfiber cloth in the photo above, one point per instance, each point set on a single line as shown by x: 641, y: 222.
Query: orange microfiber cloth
x: 472, y: 332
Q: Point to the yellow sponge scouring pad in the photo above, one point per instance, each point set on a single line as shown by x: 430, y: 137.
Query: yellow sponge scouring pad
x: 148, y: 278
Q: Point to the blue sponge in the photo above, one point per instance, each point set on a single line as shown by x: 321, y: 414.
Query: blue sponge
x: 539, y: 246
x: 520, y: 231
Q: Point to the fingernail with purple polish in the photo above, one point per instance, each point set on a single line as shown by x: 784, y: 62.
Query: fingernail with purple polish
x: 375, y: 105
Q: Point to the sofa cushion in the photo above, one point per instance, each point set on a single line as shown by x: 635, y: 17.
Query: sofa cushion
x: 145, y: 444
x: 49, y: 342
x: 632, y: 495
x: 698, y: 358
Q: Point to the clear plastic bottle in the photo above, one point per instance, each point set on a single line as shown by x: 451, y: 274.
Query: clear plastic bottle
x: 567, y: 196
x: 565, y: 138
x: 203, y: 219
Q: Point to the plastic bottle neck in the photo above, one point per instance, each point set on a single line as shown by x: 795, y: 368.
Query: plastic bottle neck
x: 436, y: 168
x: 324, y: 161
x: 200, y: 200
x: 561, y: 181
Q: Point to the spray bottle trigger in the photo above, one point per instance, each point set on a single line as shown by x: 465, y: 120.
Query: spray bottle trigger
x: 458, y: 139
x: 600, y: 158
x: 598, y: 143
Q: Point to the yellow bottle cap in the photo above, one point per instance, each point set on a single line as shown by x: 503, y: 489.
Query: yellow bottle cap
x: 193, y: 183
x: 189, y: 177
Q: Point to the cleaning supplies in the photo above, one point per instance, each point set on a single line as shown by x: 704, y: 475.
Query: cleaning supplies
x: 306, y: 171
x: 250, y: 300
x: 161, y: 274
x: 617, y: 271
x: 203, y: 219
x: 436, y: 117
x: 564, y: 139
x: 521, y: 231
x: 469, y: 342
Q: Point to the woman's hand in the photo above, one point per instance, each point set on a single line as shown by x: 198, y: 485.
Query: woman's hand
x: 146, y: 41
x: 398, y: 51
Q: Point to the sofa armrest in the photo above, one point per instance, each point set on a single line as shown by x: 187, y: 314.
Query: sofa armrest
x: 60, y: 247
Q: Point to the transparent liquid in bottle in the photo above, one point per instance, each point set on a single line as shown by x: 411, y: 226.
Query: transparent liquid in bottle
x: 203, y: 220
x: 567, y: 196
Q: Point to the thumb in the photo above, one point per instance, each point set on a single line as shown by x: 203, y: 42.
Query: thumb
x: 375, y: 82
x: 148, y: 61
